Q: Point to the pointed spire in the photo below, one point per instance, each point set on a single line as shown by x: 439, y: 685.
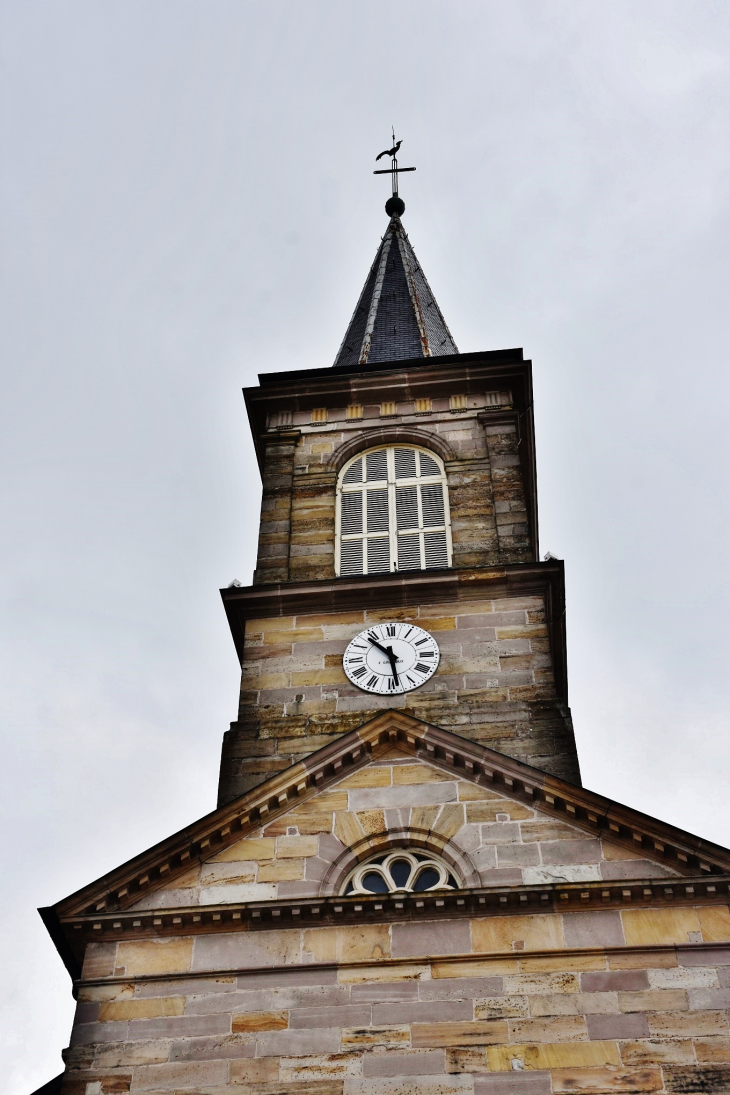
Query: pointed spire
x: 397, y: 316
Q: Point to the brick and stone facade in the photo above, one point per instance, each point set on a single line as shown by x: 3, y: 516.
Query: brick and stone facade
x: 495, y: 684
x: 587, y: 948
x: 593, y: 1002
x: 502, y: 677
x: 570, y: 945
x: 479, y: 421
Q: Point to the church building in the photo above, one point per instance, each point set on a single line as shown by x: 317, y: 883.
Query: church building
x: 405, y: 888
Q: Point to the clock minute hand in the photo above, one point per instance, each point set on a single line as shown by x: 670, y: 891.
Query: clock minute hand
x: 393, y: 660
x: 388, y: 651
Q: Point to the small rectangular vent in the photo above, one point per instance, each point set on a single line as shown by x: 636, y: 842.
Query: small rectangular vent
x: 406, y: 507
x: 378, y: 510
x: 351, y: 515
x: 405, y: 463
x: 432, y: 503
x: 437, y: 554
x: 378, y: 555
x: 409, y: 552
x: 351, y: 557
x: 377, y: 466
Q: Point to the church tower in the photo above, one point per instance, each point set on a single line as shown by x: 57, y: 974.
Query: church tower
x: 399, y: 486
x: 404, y: 886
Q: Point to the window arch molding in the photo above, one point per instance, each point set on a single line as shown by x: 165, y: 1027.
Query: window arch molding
x: 401, y: 871
x: 389, y: 435
x: 392, y: 512
x: 406, y: 839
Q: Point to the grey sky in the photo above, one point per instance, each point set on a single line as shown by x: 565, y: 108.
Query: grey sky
x: 187, y: 200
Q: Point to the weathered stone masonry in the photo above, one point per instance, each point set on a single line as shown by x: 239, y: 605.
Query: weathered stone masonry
x: 543, y: 940
x: 499, y: 681
x: 495, y: 685
x: 549, y: 997
x: 299, y: 465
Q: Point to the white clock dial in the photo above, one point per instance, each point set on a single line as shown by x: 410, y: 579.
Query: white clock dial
x: 391, y: 658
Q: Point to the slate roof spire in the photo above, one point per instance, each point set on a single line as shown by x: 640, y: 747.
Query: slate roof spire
x: 397, y: 316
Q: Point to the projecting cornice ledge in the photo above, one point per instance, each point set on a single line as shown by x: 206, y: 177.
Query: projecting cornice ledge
x: 402, y: 591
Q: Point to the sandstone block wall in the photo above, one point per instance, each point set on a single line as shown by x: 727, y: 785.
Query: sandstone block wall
x: 486, y: 491
x: 491, y: 840
x: 494, y: 684
x: 608, y: 1001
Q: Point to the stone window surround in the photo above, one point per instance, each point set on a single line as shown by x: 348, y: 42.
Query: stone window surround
x: 430, y: 450
x: 405, y: 434
x: 407, y: 853
x: 455, y: 858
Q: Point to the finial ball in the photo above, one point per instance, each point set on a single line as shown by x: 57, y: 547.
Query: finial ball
x: 395, y: 206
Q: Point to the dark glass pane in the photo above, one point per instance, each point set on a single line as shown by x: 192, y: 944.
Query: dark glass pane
x: 374, y: 882
x: 400, y: 870
x: 426, y: 879
x: 349, y: 888
x: 453, y: 882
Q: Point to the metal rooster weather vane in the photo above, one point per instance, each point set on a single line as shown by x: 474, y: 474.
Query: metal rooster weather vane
x: 395, y: 206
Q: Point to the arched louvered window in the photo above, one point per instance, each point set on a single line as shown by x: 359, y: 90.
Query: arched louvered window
x: 392, y: 512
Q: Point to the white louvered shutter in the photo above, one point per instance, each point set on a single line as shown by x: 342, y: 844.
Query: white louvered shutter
x: 393, y: 513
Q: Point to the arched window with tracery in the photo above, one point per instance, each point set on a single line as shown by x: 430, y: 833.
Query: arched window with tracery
x: 405, y: 870
x: 392, y: 512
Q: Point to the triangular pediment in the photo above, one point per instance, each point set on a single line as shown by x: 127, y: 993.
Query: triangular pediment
x: 399, y: 798
x: 343, y: 783
x: 504, y: 827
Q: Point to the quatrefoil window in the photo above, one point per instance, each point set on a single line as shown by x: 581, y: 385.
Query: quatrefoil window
x: 400, y: 872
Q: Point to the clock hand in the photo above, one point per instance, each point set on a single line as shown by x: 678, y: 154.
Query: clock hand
x: 393, y: 660
x: 388, y: 651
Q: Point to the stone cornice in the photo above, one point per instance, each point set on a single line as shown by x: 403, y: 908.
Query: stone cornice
x: 313, y: 912
x: 303, y: 390
x: 493, y: 360
x: 546, y: 580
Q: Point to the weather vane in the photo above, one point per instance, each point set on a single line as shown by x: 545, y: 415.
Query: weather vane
x: 395, y: 206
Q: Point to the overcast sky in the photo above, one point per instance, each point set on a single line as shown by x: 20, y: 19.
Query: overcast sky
x: 187, y: 200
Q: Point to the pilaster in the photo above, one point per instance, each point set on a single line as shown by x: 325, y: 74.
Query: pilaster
x: 276, y: 503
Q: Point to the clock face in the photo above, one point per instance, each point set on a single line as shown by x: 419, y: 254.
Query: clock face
x: 391, y: 658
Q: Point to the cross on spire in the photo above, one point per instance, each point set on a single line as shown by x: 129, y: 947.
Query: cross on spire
x: 395, y: 206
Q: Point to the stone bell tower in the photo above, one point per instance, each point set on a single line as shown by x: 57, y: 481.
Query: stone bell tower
x: 473, y: 578
x: 404, y: 886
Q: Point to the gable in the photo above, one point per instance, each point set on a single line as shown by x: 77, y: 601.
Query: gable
x: 498, y: 820
x: 395, y: 799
